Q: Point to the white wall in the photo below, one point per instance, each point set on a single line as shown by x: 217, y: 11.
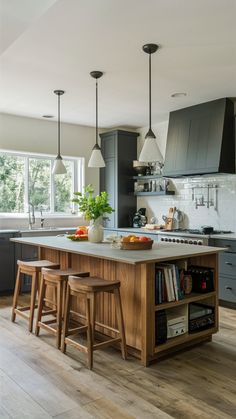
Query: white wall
x: 40, y: 136
x: 223, y: 218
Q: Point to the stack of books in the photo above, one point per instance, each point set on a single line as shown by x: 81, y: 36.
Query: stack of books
x: 169, y: 283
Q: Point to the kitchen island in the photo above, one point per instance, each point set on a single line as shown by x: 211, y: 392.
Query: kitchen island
x: 136, y: 272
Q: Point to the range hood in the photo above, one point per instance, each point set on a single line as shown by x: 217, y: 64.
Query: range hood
x: 201, y: 140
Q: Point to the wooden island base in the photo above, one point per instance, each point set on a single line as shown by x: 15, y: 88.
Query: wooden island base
x: 138, y: 300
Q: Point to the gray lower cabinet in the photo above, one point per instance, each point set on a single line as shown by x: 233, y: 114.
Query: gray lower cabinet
x: 227, y: 271
x: 7, y: 265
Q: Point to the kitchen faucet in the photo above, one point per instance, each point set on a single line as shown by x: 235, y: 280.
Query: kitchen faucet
x: 31, y: 216
x: 41, y: 218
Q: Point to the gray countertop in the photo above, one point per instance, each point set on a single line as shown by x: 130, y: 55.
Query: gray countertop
x: 159, y: 252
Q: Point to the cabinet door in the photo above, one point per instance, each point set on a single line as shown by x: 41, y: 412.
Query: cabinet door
x: 227, y: 289
x: 7, y: 269
x: 108, y: 183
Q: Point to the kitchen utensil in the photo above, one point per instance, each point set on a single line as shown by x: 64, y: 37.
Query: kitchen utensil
x: 170, y: 219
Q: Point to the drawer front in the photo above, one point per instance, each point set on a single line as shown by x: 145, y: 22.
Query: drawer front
x: 229, y: 245
x: 227, y: 289
x: 227, y: 264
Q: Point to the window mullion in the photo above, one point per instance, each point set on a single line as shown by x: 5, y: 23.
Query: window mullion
x: 26, y: 194
x: 52, y: 190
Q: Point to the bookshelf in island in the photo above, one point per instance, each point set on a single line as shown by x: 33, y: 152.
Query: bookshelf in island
x: 137, y: 272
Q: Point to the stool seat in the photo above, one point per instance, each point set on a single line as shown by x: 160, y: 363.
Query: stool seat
x: 37, y: 263
x: 33, y: 269
x: 61, y: 274
x: 92, y: 284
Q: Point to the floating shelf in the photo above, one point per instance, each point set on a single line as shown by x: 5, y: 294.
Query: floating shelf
x: 159, y: 193
x: 186, y: 300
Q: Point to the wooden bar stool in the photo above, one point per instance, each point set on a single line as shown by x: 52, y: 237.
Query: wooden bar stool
x: 88, y: 288
x: 32, y: 269
x: 56, y: 279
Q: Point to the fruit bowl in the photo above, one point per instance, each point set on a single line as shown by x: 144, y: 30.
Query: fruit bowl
x: 136, y: 243
x: 77, y: 238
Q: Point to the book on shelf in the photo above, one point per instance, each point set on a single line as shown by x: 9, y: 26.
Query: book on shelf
x: 168, y: 283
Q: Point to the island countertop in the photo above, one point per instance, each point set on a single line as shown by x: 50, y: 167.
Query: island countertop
x: 159, y: 252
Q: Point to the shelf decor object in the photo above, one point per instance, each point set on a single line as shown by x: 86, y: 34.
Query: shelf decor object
x: 150, y: 151
x: 59, y: 167
x: 96, y: 159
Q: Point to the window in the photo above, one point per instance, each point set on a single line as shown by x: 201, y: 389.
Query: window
x: 28, y: 178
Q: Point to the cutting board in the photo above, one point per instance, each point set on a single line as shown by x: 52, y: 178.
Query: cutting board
x: 170, y: 219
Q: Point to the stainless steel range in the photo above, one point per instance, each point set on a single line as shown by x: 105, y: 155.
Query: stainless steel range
x: 188, y: 236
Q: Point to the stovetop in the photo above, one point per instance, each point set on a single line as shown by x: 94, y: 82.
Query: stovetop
x: 198, y: 231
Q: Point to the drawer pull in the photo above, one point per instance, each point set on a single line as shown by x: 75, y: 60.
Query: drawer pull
x: 228, y: 263
x: 228, y: 288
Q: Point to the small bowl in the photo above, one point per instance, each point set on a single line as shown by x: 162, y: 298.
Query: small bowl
x: 140, y: 170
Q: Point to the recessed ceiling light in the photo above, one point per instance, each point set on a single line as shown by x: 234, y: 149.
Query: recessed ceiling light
x: 181, y: 94
x: 48, y: 116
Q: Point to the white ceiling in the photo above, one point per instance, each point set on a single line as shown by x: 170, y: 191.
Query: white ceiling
x: 56, y: 44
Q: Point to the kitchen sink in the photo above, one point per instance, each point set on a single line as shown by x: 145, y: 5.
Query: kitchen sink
x: 46, y: 231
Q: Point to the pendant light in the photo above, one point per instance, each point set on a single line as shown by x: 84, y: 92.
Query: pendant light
x: 59, y: 167
x: 96, y: 159
x: 150, y: 151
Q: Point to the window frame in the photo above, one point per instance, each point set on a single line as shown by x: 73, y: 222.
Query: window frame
x: 78, y: 174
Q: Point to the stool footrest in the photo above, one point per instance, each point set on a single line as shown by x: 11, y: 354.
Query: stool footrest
x: 77, y: 345
x: 47, y: 327
x: 76, y: 330
x: 50, y: 321
x: 105, y: 343
x: 21, y: 313
x: 47, y: 313
x: 25, y: 308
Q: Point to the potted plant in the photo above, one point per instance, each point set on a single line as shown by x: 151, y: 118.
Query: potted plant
x: 93, y: 209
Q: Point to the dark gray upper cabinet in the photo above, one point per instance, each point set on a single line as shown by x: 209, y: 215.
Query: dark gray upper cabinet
x: 119, y: 149
x: 201, y: 139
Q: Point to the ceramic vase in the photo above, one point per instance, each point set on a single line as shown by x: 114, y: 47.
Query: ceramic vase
x: 95, y: 231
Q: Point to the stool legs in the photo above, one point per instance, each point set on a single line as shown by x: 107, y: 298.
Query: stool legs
x: 16, y: 294
x: 59, y: 312
x: 66, y: 319
x: 58, y: 290
x: 89, y: 335
x: 120, y: 321
x: 40, y: 305
x: 34, y: 287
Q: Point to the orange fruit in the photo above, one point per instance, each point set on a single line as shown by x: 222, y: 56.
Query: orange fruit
x: 134, y: 239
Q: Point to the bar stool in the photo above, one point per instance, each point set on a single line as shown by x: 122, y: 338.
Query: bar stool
x: 88, y: 288
x: 56, y: 279
x: 32, y: 269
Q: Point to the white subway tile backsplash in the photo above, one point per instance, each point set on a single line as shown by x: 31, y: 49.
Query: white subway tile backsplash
x: 224, y: 217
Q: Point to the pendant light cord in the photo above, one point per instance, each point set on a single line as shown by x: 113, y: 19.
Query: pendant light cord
x: 96, y: 112
x: 59, y: 128
x: 150, y: 95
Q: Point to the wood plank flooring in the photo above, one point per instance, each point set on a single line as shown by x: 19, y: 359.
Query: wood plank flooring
x: 38, y: 382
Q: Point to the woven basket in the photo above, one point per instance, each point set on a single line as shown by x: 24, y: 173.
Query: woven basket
x: 137, y: 245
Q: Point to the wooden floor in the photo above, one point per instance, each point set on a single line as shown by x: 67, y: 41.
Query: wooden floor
x: 38, y: 382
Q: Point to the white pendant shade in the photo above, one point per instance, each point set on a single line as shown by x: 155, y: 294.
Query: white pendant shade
x: 58, y: 167
x: 96, y: 159
x: 150, y: 151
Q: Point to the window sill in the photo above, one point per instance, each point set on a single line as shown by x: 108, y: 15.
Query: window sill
x: 11, y: 216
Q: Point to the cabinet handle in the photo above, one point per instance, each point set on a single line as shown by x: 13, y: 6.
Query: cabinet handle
x: 228, y: 288
x: 228, y: 263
